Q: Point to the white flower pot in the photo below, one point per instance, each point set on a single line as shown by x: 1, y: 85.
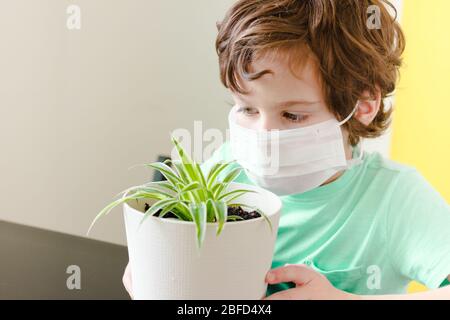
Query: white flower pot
x: 167, y: 264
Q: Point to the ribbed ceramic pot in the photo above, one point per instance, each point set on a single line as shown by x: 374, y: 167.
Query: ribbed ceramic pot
x: 167, y: 264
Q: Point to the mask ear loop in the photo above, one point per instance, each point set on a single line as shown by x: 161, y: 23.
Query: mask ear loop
x: 350, y: 115
x: 359, y: 146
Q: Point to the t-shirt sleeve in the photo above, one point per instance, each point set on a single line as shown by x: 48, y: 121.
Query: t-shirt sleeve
x: 417, y: 227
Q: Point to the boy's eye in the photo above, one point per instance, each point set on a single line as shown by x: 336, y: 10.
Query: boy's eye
x: 247, y: 111
x: 294, y: 117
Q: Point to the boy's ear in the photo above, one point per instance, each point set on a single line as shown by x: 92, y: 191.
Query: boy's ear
x: 368, y: 107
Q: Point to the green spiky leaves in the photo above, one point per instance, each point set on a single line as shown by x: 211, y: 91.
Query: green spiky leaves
x: 187, y: 193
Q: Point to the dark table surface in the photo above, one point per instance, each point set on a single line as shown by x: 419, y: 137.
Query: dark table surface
x: 34, y: 265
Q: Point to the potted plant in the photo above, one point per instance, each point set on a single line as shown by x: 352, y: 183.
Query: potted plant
x: 197, y: 236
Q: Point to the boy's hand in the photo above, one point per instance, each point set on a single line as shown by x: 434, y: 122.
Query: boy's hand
x: 310, y: 285
x: 126, y: 279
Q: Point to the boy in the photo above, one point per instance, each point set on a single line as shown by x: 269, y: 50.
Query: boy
x: 316, y: 72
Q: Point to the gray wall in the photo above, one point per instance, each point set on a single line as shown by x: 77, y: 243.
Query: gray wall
x: 79, y: 107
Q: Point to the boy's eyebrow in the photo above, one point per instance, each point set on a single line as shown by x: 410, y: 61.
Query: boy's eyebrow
x: 296, y: 102
x: 287, y: 103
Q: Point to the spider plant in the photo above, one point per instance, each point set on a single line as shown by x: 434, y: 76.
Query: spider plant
x: 188, y: 193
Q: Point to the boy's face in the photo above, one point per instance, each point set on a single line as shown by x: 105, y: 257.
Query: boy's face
x: 281, y: 100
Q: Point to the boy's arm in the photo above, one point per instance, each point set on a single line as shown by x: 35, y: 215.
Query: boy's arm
x: 311, y: 285
x: 417, y: 237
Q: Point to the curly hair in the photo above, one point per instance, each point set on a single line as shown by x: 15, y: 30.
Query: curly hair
x: 350, y: 57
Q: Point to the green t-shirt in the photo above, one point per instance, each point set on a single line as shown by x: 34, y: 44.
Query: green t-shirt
x: 371, y: 231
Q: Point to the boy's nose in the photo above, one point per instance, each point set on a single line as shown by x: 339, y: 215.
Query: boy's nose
x: 267, y: 123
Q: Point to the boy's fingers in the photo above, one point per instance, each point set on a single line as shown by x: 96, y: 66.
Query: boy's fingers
x: 289, y: 294
x: 299, y: 274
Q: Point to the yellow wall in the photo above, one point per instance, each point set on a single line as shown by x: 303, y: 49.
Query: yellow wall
x: 421, y: 128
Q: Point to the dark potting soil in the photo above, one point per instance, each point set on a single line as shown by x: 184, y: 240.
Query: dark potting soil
x: 246, y: 215
x: 232, y: 211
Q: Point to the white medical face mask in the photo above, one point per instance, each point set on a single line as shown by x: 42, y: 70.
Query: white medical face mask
x: 291, y: 161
